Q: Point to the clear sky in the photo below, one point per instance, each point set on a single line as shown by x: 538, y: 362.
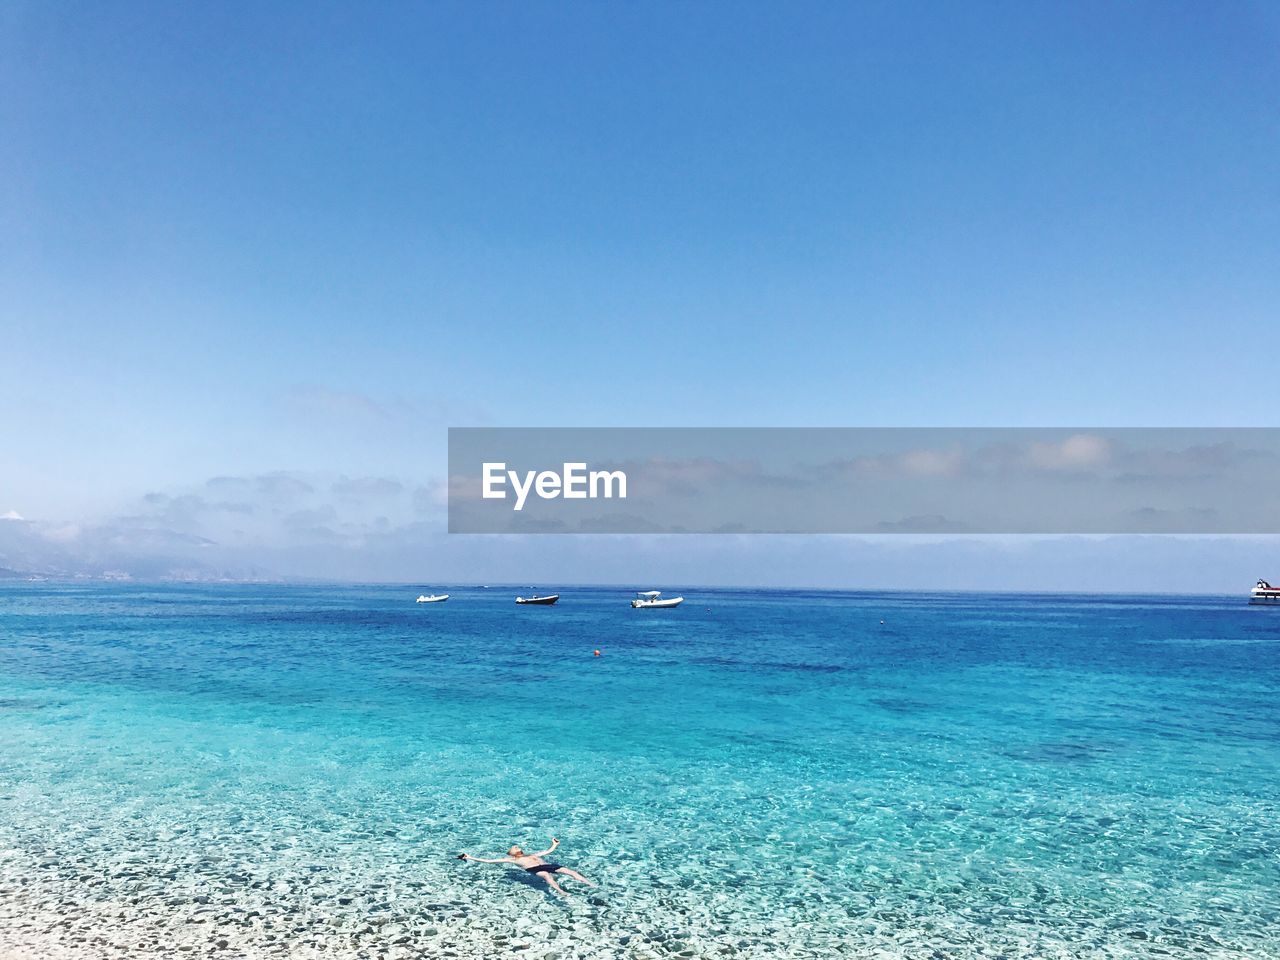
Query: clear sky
x: 247, y: 238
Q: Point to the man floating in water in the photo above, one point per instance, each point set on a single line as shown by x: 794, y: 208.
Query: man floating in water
x: 533, y: 863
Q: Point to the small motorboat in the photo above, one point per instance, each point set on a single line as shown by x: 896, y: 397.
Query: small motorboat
x: 434, y: 598
x: 541, y: 601
x: 1264, y: 593
x: 653, y: 599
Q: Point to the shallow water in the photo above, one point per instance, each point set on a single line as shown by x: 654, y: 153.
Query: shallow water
x: 259, y: 770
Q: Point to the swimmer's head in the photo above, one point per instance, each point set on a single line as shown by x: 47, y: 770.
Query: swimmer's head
x: 515, y: 852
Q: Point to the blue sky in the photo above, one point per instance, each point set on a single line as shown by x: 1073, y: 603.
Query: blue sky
x: 244, y: 239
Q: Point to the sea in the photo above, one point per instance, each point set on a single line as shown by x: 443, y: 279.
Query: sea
x: 292, y: 770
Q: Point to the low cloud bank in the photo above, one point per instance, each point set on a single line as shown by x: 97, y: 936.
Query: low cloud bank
x: 282, y: 526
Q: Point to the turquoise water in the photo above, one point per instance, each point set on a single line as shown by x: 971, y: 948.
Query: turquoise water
x: 290, y: 770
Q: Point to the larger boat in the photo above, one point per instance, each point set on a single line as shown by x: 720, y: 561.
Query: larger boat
x: 1264, y: 593
x: 543, y: 601
x: 433, y: 598
x: 653, y: 599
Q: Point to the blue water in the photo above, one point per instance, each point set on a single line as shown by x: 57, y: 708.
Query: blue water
x: 290, y: 770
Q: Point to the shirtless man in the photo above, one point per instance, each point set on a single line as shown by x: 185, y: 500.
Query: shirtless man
x: 534, y: 863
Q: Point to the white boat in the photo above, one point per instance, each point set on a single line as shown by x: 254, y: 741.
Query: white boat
x: 1264, y: 593
x: 653, y: 598
x: 434, y: 598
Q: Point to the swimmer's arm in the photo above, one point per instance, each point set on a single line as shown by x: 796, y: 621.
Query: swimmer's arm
x: 551, y: 849
x: 467, y: 856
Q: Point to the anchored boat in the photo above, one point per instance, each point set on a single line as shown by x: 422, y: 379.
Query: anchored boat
x: 434, y: 598
x: 653, y: 598
x: 543, y: 601
x: 1264, y: 593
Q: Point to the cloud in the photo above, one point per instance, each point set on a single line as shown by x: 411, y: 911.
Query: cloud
x: 919, y: 462
x: 282, y: 486
x: 358, y: 545
x: 1076, y: 453
x: 184, y: 511
x: 276, y: 485
x: 223, y: 526
x: 10, y: 515
x: 931, y: 463
x: 62, y: 532
x: 694, y: 476
x: 1072, y: 457
x: 464, y: 489
x: 361, y: 488
x: 1192, y: 463
x: 431, y: 497
x: 309, y: 518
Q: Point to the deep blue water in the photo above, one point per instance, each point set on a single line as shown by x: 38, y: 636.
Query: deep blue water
x: 757, y: 773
